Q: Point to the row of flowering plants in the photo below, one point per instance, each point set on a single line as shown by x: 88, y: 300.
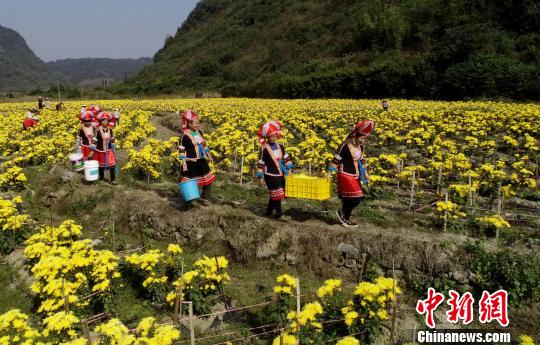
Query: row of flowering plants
x: 62, y: 328
x: 335, y: 312
x: 73, y: 280
x: 481, y: 152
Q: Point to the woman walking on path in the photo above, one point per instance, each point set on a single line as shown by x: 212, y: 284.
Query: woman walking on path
x: 274, y: 164
x: 105, y: 152
x: 195, y: 155
x: 86, y: 135
x: 349, y: 163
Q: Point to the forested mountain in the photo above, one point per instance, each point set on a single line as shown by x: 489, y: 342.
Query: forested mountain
x: 352, y: 48
x: 20, y: 68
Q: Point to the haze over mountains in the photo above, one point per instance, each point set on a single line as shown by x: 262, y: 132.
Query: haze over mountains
x: 90, y: 71
x: 22, y: 70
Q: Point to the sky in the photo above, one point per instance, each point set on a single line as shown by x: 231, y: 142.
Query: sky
x: 58, y: 29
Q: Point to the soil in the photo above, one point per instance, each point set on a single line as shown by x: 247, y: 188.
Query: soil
x: 162, y: 132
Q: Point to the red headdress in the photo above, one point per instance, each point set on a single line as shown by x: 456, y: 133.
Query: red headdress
x: 105, y: 116
x: 94, y: 109
x: 268, y: 129
x: 88, y: 116
x: 363, y: 129
x: 188, y: 116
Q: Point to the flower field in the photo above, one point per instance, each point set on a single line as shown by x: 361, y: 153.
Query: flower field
x: 464, y: 148
x: 465, y: 162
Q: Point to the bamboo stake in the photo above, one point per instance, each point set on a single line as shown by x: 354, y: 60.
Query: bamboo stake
x: 86, y: 332
x: 297, y: 295
x: 66, y: 298
x: 537, y: 168
x: 392, y: 330
x: 241, y: 170
x: 297, y: 303
x: 398, y: 171
x: 499, y: 199
x: 191, y: 329
x: 177, y: 305
x: 141, y: 232
x: 499, y: 207
x: 445, y: 211
x: 181, y: 274
x: 361, y: 270
x: 220, y: 285
x: 413, y: 178
x: 470, y: 192
x: 281, y: 339
x: 235, y: 155
x: 113, y: 238
x: 439, y: 178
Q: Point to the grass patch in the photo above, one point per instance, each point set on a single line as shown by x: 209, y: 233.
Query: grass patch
x: 371, y: 214
x: 15, y: 295
x: 247, y: 195
x: 129, y: 308
x: 253, y: 284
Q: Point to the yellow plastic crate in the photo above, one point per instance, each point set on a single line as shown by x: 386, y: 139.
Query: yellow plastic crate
x: 308, y: 187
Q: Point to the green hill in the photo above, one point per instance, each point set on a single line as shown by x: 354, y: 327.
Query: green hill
x: 20, y: 68
x: 352, y: 48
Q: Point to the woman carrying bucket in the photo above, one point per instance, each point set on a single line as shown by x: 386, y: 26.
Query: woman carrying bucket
x: 349, y: 164
x: 86, y: 135
x: 195, y: 155
x: 105, y: 152
x: 274, y: 164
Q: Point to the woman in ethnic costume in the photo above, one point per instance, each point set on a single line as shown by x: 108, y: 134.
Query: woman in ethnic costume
x: 349, y: 164
x: 105, y: 151
x: 195, y: 155
x: 86, y: 135
x: 274, y: 164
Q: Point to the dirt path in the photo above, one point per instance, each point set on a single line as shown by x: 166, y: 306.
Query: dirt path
x: 162, y: 132
x: 311, y: 244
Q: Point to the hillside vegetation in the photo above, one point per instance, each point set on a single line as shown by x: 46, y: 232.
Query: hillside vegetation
x: 328, y: 48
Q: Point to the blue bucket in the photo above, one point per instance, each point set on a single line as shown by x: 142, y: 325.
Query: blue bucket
x: 189, y: 190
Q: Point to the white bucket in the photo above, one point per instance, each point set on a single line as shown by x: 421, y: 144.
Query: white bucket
x: 91, y: 171
x: 77, y: 162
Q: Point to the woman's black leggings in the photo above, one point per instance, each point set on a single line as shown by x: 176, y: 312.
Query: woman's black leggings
x: 207, y: 192
x: 274, y: 205
x: 348, y: 205
x: 111, y: 171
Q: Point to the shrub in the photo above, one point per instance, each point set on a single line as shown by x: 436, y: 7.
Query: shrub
x: 518, y: 274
